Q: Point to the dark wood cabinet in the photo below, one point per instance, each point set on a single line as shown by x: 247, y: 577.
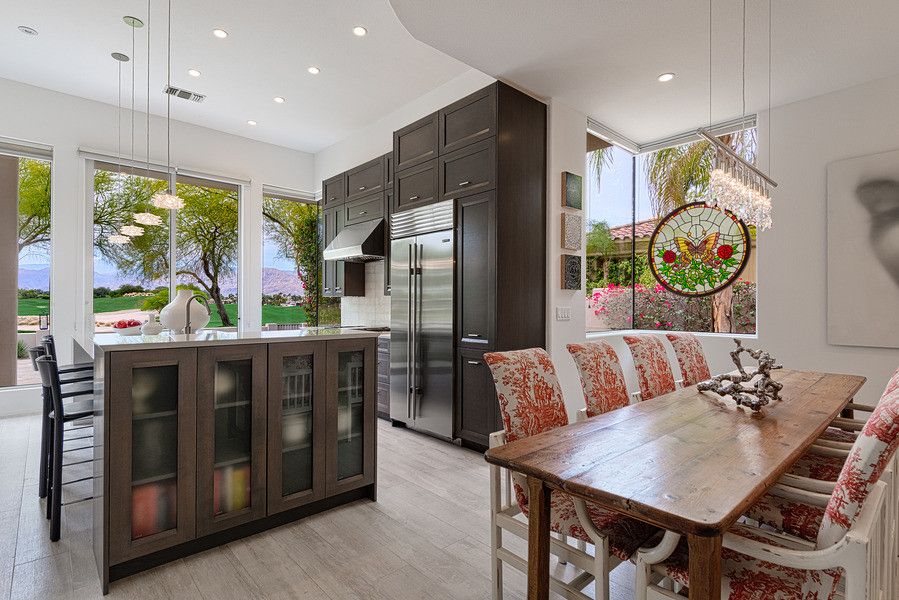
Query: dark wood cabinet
x: 151, y: 430
x: 366, y: 179
x: 334, y: 191
x: 365, y: 208
x: 388, y: 211
x: 476, y: 270
x: 384, y: 376
x: 415, y: 187
x: 468, y: 120
x: 350, y: 427
x: 231, y: 434
x: 329, y: 268
x: 415, y: 143
x: 297, y: 374
x: 477, y: 410
x: 340, y: 278
x: 468, y: 171
x: 388, y: 170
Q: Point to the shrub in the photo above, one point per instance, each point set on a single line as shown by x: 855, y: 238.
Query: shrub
x: 21, y: 350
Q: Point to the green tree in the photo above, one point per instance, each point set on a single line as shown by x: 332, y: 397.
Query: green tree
x: 34, y: 203
x: 294, y: 227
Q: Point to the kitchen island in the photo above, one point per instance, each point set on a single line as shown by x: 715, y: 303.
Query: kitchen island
x: 205, y: 438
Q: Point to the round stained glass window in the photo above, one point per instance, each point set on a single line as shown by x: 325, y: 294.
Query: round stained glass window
x: 697, y: 250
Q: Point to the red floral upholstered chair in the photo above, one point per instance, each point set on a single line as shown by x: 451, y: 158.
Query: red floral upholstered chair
x: 690, y: 356
x: 601, y: 377
x: 530, y: 400
x: 837, y: 536
x: 651, y: 362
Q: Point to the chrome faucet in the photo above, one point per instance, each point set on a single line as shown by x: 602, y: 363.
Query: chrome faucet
x: 199, y: 298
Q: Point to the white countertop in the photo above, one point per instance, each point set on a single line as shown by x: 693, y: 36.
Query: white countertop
x: 111, y: 342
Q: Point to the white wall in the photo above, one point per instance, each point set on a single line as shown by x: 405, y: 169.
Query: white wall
x: 67, y: 122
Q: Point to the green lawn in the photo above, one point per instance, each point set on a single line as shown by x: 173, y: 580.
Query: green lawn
x: 270, y: 314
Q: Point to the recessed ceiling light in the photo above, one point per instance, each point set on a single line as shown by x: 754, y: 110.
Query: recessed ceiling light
x: 220, y: 33
x: 27, y: 30
x: 251, y: 122
x: 193, y: 73
x: 314, y: 70
x: 666, y: 77
x: 279, y: 99
x: 359, y: 30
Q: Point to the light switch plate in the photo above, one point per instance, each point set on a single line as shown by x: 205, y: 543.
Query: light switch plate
x: 563, y: 313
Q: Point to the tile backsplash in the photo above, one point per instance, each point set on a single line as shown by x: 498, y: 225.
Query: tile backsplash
x: 373, y: 309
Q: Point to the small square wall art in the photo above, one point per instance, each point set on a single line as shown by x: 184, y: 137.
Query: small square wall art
x: 572, y: 229
x: 572, y: 190
x: 571, y: 272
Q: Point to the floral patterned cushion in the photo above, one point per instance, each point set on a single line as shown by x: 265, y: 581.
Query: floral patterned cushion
x: 693, y: 365
x: 867, y: 460
x: 528, y: 391
x: 747, y: 578
x: 818, y: 466
x: 625, y: 535
x: 651, y: 363
x: 835, y: 434
x: 601, y: 377
x: 892, y: 384
x: 796, y: 518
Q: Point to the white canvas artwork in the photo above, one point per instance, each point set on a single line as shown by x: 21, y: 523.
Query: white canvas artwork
x: 863, y: 251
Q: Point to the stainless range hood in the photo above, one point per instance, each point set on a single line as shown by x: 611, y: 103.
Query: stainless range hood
x: 362, y: 242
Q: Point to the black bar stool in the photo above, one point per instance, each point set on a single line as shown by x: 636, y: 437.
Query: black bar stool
x: 79, y: 383
x: 50, y: 346
x: 61, y: 414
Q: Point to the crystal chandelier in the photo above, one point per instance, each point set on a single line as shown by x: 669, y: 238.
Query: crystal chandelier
x: 118, y: 239
x: 131, y: 230
x: 738, y: 186
x: 147, y: 218
x: 735, y: 184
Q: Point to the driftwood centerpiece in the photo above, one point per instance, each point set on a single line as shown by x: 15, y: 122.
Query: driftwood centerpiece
x: 758, y: 394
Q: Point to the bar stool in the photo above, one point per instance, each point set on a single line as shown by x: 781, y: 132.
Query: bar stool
x: 77, y: 383
x: 60, y: 414
x: 50, y: 346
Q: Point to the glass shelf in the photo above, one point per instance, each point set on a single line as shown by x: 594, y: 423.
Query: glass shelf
x: 233, y: 436
x: 350, y: 417
x: 296, y: 424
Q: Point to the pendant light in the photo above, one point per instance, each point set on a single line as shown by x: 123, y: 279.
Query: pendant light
x: 735, y: 184
x: 119, y: 58
x: 168, y: 199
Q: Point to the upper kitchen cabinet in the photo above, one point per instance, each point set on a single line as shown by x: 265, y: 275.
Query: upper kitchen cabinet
x: 231, y: 436
x: 468, y: 120
x: 334, y: 191
x: 467, y: 171
x: 388, y: 170
x: 415, y: 187
x: 415, y: 143
x: 366, y: 179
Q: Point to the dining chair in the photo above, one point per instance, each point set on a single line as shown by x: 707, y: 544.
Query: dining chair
x: 601, y: 378
x: 849, y: 543
x: 690, y: 357
x: 651, y: 363
x: 61, y: 413
x: 530, y: 401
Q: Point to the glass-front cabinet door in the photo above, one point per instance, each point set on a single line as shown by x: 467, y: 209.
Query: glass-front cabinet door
x: 351, y: 413
x: 231, y: 413
x: 152, y: 427
x: 296, y: 415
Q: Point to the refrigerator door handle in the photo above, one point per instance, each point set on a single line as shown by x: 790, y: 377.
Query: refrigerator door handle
x: 419, y: 293
x: 410, y: 334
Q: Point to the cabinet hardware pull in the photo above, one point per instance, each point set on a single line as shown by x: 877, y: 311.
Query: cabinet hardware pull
x: 474, y: 362
x: 413, y: 197
x: 462, y: 183
x: 473, y: 335
x: 363, y: 212
x: 327, y: 289
x: 337, y: 289
x: 361, y: 188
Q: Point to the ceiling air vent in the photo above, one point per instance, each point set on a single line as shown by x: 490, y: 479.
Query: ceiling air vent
x: 184, y: 94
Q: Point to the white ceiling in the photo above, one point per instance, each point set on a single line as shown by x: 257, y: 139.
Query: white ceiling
x: 271, y: 43
x: 603, y: 56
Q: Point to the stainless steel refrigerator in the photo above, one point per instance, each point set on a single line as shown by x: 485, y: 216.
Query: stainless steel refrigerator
x: 421, y: 324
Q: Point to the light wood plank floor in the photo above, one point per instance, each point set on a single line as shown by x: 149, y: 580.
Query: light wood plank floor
x: 426, y: 538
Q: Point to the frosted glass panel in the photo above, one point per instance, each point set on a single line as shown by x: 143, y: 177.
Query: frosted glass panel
x: 350, y: 392
x: 296, y: 424
x: 233, y: 436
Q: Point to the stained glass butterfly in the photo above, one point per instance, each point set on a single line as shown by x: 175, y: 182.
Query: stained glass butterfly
x: 704, y: 251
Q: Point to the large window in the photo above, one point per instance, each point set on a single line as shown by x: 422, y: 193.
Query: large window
x: 626, y: 195
x: 290, y: 261
x: 24, y: 263
x: 133, y: 276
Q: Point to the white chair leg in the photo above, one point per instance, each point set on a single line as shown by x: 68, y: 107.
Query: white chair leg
x: 496, y: 533
x: 563, y: 557
x: 582, y: 545
x: 601, y: 570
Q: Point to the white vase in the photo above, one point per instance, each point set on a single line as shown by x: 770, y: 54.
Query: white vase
x: 152, y: 327
x: 173, y: 316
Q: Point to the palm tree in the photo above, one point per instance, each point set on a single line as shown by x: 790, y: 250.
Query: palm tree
x: 680, y: 175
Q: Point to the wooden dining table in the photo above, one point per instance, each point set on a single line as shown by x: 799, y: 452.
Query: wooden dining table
x: 690, y: 462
